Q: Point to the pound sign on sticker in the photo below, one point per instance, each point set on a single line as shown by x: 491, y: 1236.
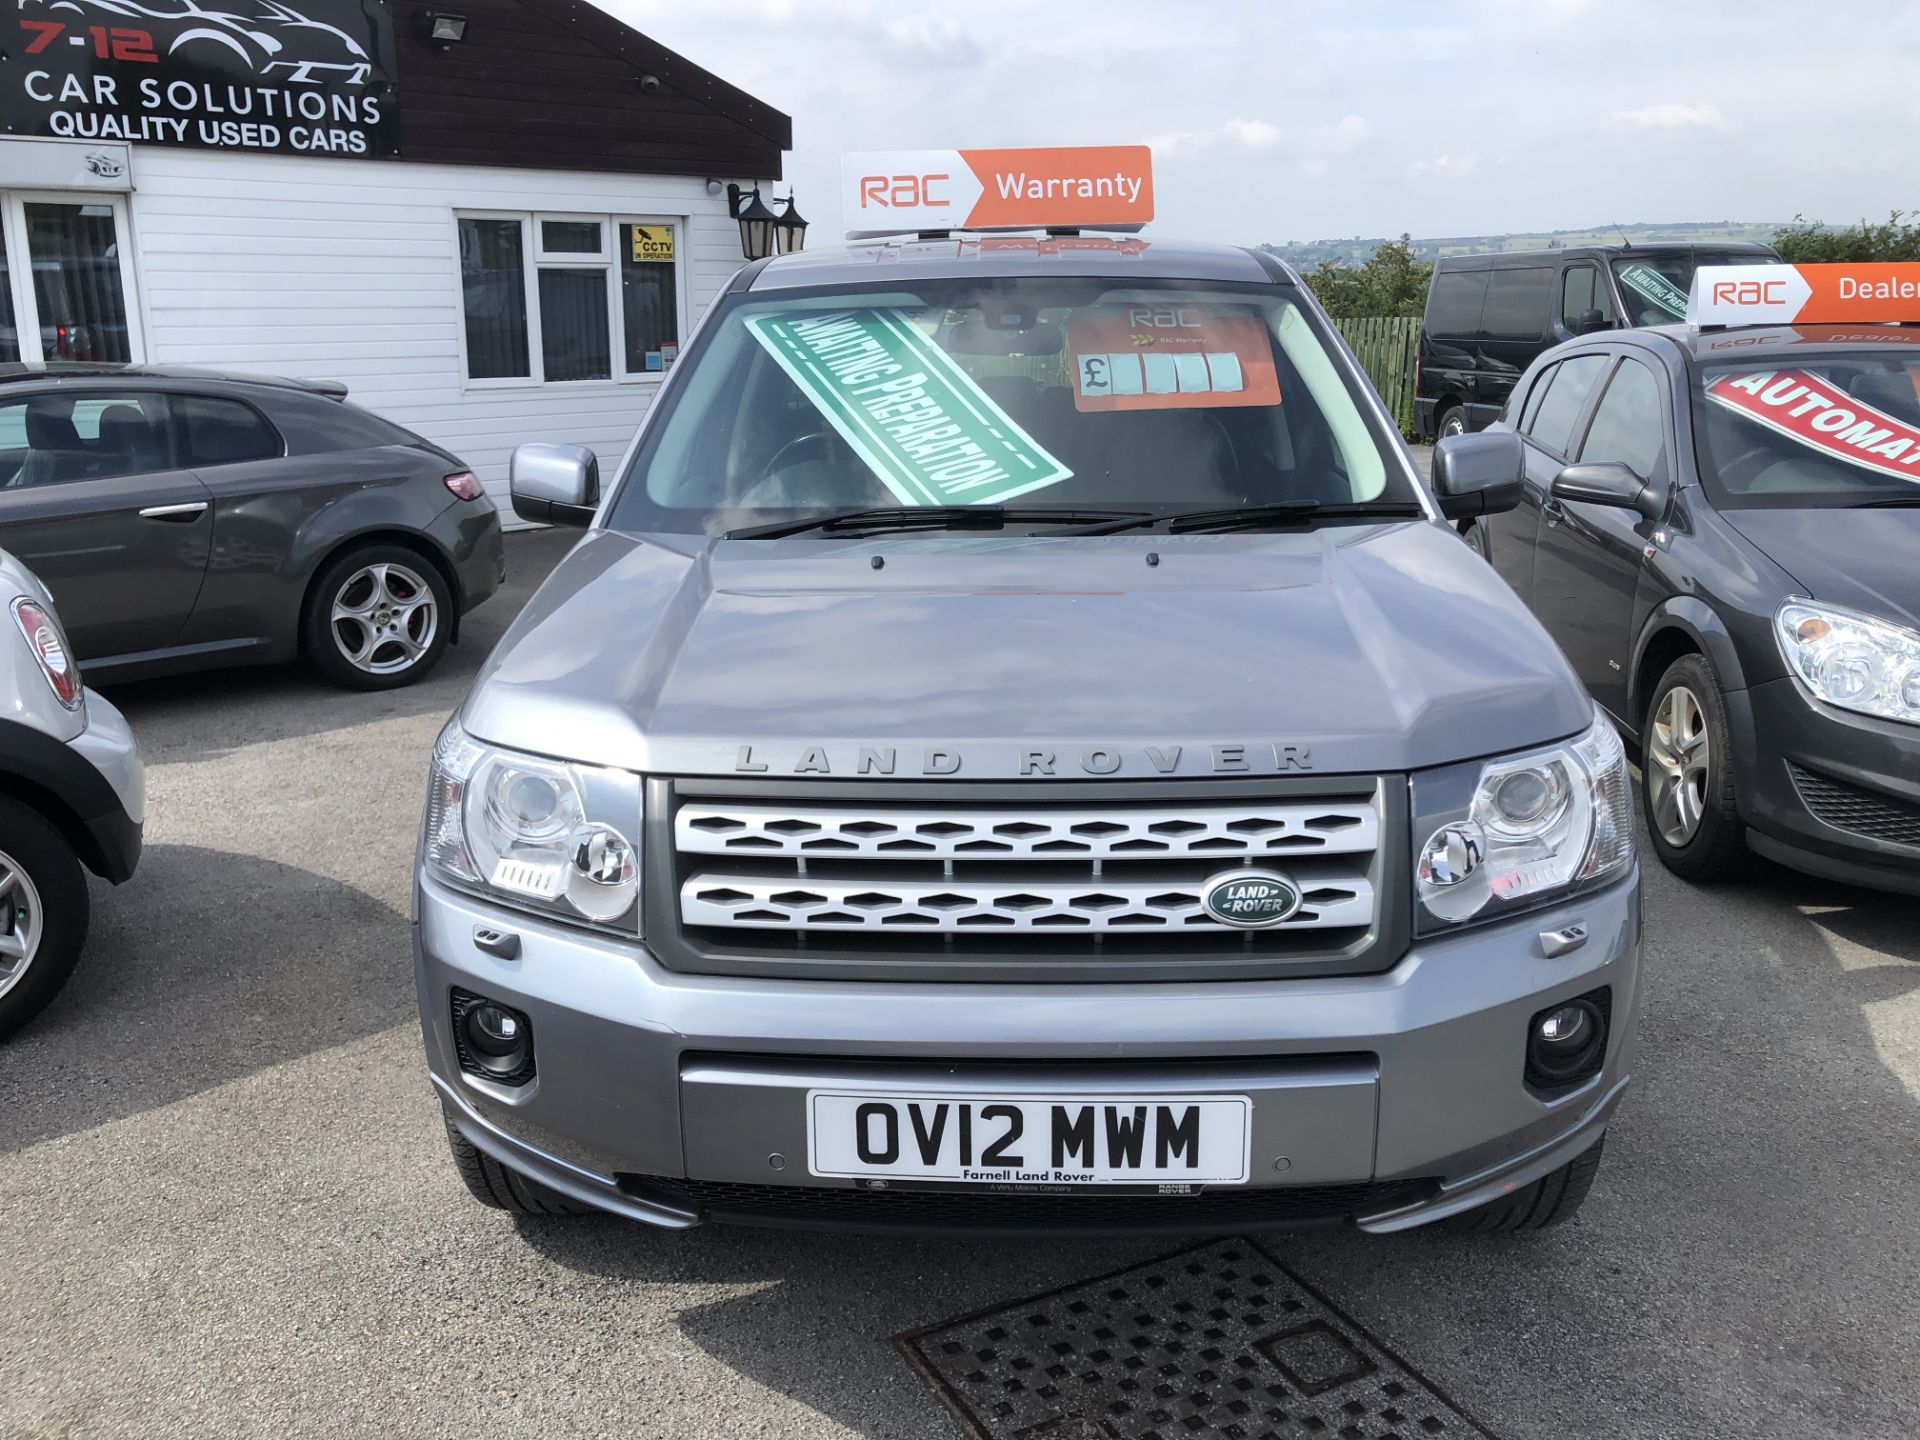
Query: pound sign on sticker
x: 1093, y: 375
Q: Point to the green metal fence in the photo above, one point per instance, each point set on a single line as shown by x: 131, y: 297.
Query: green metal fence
x: 1385, y: 346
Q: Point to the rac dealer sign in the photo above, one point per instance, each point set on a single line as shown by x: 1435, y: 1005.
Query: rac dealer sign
x: 896, y: 190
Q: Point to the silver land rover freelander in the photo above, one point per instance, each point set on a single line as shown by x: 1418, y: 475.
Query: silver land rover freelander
x: 1019, y: 745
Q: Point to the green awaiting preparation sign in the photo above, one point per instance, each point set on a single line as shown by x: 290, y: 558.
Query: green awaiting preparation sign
x: 920, y: 422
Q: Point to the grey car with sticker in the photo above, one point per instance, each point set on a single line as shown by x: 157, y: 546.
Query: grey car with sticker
x: 1018, y: 745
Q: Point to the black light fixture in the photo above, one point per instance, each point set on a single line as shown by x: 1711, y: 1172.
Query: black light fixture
x: 756, y: 221
x: 444, y: 29
x: 790, y: 230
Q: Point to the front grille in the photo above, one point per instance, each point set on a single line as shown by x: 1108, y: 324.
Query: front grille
x: 1850, y: 807
x: 1082, y: 1210
x: 985, y: 881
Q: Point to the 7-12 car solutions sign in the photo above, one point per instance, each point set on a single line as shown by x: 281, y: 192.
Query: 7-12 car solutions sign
x: 307, y: 77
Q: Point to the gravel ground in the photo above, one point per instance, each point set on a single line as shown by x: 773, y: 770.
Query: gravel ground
x: 226, y: 1207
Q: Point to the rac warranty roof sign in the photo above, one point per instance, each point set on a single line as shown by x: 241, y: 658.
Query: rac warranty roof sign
x: 1110, y: 186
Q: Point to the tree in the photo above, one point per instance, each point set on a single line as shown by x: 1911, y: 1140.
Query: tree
x: 1392, y: 282
x: 1810, y: 242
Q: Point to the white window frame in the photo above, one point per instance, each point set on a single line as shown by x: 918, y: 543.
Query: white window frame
x: 26, y: 308
x: 534, y: 258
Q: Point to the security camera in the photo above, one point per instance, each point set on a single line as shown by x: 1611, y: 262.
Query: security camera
x: 649, y: 84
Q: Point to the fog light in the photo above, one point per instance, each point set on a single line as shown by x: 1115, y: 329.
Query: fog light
x: 1567, y: 1043
x: 493, y: 1040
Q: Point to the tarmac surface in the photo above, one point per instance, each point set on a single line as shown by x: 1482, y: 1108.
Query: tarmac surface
x: 226, y: 1207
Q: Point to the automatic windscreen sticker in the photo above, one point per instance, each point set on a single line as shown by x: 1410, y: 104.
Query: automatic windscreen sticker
x: 1650, y: 283
x: 919, y: 421
x: 1169, y: 357
x: 1812, y: 413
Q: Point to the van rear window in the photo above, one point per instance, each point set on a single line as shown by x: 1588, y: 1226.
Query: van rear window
x: 1518, y: 302
x: 1454, y: 303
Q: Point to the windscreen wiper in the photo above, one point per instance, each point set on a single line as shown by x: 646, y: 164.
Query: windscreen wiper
x: 1260, y: 517
x: 1888, y: 503
x: 875, y: 520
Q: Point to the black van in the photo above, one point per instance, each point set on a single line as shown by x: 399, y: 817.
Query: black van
x: 1488, y: 316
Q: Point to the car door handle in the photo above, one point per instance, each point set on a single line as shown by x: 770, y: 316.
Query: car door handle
x: 175, y: 514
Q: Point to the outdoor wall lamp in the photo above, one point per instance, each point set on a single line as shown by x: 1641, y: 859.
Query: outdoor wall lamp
x: 756, y: 221
x: 443, y: 29
x: 790, y: 230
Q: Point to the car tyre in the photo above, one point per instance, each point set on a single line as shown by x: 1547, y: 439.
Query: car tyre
x: 1452, y: 421
x: 44, y: 912
x: 493, y: 1184
x: 1478, y: 540
x: 1688, y: 785
x: 1553, y: 1199
x: 378, y: 617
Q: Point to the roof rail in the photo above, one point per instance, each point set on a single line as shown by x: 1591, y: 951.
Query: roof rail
x: 958, y: 233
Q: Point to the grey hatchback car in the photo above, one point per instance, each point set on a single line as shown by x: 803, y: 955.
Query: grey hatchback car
x: 1019, y: 746
x: 186, y: 519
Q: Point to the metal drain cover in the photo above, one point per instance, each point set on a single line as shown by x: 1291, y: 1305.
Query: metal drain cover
x: 1222, y: 1340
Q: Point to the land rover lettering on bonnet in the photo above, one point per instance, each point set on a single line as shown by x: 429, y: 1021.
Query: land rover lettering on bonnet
x: 987, y: 765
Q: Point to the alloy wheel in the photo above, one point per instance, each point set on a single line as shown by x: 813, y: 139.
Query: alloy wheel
x: 21, y: 922
x: 384, y: 618
x: 1678, y: 756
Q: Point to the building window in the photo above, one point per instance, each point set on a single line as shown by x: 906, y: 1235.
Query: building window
x: 493, y: 280
x: 554, y: 299
x: 64, y: 280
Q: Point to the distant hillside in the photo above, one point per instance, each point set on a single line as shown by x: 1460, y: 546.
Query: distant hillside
x: 1355, y: 249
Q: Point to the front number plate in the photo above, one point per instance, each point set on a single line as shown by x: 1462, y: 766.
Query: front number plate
x: 1029, y: 1140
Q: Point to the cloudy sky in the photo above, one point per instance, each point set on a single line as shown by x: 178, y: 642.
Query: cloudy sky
x: 1304, y: 119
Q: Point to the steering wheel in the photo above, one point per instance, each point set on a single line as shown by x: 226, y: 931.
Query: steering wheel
x: 795, y: 451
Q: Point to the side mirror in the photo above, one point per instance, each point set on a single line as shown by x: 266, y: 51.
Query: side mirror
x: 554, y: 484
x: 1478, y: 474
x: 1608, y: 482
x: 1591, y: 321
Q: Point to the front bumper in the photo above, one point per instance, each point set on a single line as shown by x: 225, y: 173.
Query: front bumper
x: 1399, y: 1096
x: 1830, y: 792
x: 108, y: 791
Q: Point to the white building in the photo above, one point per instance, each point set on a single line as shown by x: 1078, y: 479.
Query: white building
x: 490, y: 240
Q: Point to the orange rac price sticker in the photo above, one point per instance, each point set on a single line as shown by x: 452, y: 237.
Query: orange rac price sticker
x: 1169, y: 357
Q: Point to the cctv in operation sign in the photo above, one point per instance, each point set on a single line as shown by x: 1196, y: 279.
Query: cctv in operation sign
x: 294, y: 76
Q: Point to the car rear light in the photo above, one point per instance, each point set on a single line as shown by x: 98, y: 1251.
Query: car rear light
x: 49, y: 647
x: 466, y: 485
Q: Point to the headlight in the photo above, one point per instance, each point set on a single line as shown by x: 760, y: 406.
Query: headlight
x: 533, y: 832
x: 1537, y: 826
x: 1852, y: 660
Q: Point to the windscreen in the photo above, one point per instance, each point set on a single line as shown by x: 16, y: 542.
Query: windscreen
x: 1049, y: 392
x: 1654, y: 285
x: 1819, y: 430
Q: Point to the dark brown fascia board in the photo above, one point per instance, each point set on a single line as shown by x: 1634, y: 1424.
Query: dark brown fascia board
x: 647, y: 55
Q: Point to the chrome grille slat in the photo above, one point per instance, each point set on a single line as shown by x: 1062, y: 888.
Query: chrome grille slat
x: 1271, y: 831
x: 993, y: 906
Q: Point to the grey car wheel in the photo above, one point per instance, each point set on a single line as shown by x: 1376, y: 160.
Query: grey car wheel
x: 385, y: 618
x: 1688, y: 775
x: 1454, y: 422
x: 43, y: 913
x: 1679, y: 753
x: 22, y: 922
x: 378, y: 617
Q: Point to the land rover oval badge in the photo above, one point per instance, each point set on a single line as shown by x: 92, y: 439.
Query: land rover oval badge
x: 1249, y: 899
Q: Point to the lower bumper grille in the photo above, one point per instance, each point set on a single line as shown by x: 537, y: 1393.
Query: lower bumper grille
x: 1850, y: 807
x: 983, y: 1210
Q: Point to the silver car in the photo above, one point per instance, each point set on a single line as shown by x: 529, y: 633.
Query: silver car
x: 72, y: 795
x: 1019, y: 745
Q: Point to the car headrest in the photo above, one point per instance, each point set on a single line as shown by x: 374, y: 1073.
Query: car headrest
x: 50, y: 424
